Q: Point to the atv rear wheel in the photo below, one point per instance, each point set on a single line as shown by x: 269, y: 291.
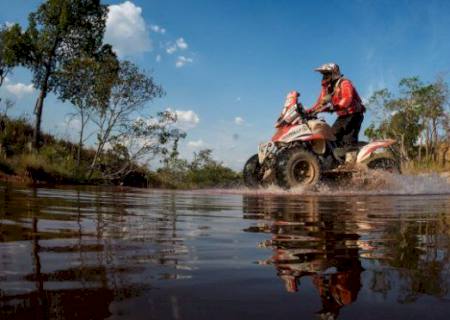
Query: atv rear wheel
x: 252, y: 172
x: 385, y: 164
x: 297, y: 167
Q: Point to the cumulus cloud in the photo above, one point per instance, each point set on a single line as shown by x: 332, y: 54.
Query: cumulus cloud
x: 182, y: 61
x: 20, y: 89
x: 195, y: 144
x: 239, y: 121
x: 181, y: 43
x: 157, y: 29
x: 126, y: 29
x: 171, y: 48
x: 187, y: 119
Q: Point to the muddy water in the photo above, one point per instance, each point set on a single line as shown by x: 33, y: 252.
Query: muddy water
x: 95, y: 253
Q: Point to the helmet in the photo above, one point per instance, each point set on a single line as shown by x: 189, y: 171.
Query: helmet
x: 330, y: 68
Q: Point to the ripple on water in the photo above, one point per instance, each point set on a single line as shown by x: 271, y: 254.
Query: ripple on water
x: 99, y: 253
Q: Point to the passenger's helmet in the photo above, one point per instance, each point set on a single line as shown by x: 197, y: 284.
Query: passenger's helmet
x: 330, y: 68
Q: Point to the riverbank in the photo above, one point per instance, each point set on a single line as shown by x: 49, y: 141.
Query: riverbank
x: 62, y: 162
x: 163, y: 178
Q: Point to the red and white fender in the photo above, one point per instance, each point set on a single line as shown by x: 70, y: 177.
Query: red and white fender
x: 372, y: 148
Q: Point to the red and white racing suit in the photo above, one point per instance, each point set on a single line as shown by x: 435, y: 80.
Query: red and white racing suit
x: 348, y: 106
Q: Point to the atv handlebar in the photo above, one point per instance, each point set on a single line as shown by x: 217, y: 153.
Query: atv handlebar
x: 324, y: 108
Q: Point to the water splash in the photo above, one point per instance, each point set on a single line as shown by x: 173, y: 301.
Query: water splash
x: 367, y: 183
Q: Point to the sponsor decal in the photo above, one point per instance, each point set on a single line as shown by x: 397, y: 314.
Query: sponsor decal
x: 298, y: 131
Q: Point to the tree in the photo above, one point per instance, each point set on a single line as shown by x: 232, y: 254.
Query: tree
x: 416, y: 115
x: 141, y: 141
x: 397, y: 118
x: 57, y: 33
x: 5, y: 67
x: 86, y: 82
x: 9, y: 48
x: 130, y: 92
x: 202, y: 159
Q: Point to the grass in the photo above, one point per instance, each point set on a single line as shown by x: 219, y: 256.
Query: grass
x: 425, y: 166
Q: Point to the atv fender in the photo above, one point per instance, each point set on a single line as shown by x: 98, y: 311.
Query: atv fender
x: 375, y: 150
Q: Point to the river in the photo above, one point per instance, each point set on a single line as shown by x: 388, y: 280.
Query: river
x: 118, y: 253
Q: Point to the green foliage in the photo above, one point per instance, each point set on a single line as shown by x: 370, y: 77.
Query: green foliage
x: 86, y: 81
x: 202, y: 172
x: 59, y: 32
x: 416, y: 116
x: 15, y: 135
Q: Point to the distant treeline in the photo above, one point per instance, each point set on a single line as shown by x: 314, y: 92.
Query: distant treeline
x: 61, y: 162
x: 417, y: 117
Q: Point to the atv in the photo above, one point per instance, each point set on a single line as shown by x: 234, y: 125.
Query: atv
x: 304, y: 150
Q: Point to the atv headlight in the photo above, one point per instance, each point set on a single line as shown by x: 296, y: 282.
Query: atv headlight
x: 264, y: 150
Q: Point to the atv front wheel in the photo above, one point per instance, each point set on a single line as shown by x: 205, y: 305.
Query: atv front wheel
x: 297, y: 167
x: 252, y: 172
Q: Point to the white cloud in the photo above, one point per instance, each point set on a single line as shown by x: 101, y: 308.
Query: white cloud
x: 181, y: 43
x: 20, y: 89
x: 157, y: 29
x: 186, y: 119
x: 195, y: 144
x: 126, y: 29
x: 182, y: 61
x: 171, y: 48
x: 158, y: 58
x: 8, y: 24
x: 239, y: 121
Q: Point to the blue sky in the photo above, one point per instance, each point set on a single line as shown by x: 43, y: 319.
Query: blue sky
x: 227, y: 65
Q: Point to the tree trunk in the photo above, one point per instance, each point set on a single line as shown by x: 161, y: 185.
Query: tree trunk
x: 435, y: 139
x: 94, y: 162
x: 420, y: 152
x: 38, y: 120
x: 402, y: 147
x: 80, y: 142
x: 38, y: 110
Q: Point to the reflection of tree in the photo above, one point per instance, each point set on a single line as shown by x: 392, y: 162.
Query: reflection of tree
x: 109, y: 240
x: 418, y: 250
x: 40, y: 302
x: 308, y: 240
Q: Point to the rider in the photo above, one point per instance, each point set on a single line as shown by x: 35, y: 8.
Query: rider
x: 338, y: 94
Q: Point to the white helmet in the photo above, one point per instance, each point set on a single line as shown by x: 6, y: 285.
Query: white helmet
x: 332, y: 68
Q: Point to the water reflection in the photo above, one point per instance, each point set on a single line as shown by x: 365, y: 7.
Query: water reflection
x: 398, y: 247
x: 70, y: 254
x: 108, y: 253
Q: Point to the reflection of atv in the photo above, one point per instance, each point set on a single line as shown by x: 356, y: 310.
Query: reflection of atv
x: 303, y: 150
